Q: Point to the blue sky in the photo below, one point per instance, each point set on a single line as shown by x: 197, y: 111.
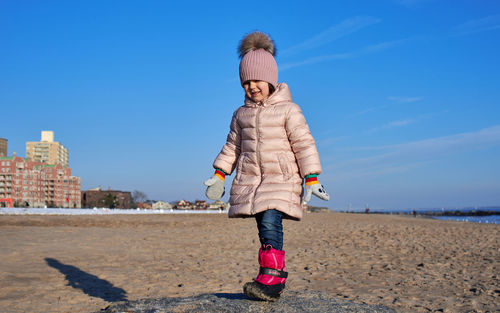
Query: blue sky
x: 402, y: 97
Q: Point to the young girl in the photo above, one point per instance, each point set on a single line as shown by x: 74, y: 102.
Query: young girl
x: 270, y: 146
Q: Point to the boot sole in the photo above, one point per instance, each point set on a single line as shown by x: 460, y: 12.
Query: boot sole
x: 254, y: 292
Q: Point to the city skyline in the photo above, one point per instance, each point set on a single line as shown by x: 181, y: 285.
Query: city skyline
x: 401, y: 97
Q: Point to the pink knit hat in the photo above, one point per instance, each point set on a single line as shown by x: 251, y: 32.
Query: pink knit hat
x: 257, y: 53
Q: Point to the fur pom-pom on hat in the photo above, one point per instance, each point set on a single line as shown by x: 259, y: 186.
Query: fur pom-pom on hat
x: 257, y: 51
x: 254, y: 41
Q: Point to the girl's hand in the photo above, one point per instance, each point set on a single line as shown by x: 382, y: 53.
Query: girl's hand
x: 215, y: 186
x: 313, y: 187
x: 318, y: 190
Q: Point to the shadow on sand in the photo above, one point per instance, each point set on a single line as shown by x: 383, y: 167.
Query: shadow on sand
x: 88, y: 283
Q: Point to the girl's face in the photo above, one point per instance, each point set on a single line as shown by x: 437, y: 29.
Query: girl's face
x: 257, y: 90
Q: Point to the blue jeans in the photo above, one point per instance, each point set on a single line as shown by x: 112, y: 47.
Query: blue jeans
x: 270, y: 228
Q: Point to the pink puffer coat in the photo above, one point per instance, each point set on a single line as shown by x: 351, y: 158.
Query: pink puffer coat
x: 272, y: 149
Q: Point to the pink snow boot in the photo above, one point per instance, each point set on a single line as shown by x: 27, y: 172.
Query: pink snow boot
x: 272, y: 275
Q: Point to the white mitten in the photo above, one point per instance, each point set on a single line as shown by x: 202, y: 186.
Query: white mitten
x: 215, y: 185
x: 313, y: 187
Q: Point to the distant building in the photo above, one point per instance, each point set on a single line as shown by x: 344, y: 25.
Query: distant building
x: 162, y: 205
x: 99, y: 198
x: 144, y: 205
x: 218, y: 205
x: 183, y: 205
x: 312, y: 209
x: 47, y: 150
x: 36, y: 184
x: 200, y: 205
x: 3, y: 147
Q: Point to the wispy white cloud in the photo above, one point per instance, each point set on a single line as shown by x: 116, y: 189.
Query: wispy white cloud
x: 317, y: 59
x: 404, y: 99
x: 333, y: 33
x: 387, y: 158
x: 397, y: 100
x: 382, y: 46
x: 342, y: 56
x: 449, y: 144
x: 370, y: 110
x: 393, y: 124
x: 411, y: 3
x: 331, y: 140
x: 484, y: 24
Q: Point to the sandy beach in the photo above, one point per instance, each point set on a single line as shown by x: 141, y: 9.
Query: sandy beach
x: 83, y: 263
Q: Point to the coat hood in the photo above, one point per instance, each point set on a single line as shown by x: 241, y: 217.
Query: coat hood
x: 281, y: 94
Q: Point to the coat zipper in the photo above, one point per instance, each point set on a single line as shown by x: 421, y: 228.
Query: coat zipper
x: 257, y: 150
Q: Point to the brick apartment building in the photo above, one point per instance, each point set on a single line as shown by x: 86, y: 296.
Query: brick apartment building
x: 36, y: 184
x: 3, y: 147
x: 98, y: 198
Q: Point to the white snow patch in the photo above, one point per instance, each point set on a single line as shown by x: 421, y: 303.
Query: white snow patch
x: 97, y: 211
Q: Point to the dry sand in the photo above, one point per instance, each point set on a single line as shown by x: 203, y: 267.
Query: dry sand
x: 82, y: 263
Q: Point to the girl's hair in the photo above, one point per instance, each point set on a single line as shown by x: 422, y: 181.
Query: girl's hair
x: 271, y: 88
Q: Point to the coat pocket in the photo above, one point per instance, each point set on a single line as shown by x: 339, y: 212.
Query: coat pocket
x: 239, y: 166
x: 285, y: 166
